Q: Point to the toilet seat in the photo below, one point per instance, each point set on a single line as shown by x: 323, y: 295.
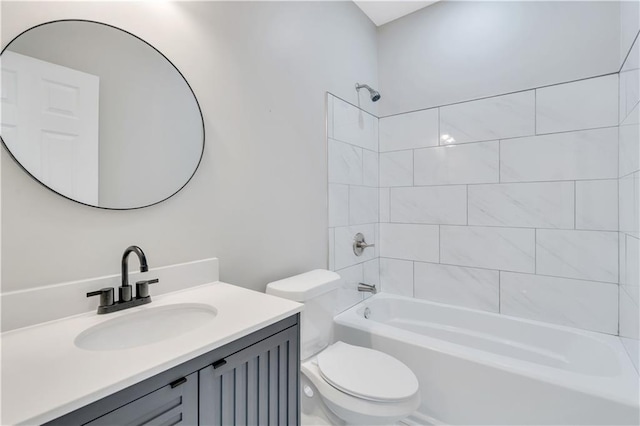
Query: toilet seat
x: 366, y: 373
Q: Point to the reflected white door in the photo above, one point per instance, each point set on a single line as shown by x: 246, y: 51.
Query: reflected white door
x: 49, y: 122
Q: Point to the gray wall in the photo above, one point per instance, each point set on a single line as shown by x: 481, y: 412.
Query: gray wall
x: 258, y: 202
x: 456, y: 51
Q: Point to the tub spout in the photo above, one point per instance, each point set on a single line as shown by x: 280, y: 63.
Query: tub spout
x: 367, y: 288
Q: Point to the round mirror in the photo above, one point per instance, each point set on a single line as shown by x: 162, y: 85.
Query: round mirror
x: 98, y: 115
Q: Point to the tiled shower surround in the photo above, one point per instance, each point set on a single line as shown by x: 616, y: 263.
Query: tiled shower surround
x: 629, y: 200
x: 353, y: 195
x: 507, y: 204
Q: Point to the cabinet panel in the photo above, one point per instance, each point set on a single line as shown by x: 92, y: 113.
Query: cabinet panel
x: 167, y: 406
x: 255, y: 386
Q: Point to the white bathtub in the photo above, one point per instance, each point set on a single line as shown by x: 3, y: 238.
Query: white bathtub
x: 476, y: 367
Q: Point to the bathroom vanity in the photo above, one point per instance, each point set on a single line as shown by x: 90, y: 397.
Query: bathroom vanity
x: 238, y: 362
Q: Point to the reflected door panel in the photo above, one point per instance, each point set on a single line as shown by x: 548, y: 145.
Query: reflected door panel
x: 51, y: 113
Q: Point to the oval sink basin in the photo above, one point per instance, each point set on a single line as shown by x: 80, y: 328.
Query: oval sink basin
x: 146, y: 326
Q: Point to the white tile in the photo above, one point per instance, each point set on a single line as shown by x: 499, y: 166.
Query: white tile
x: 372, y: 272
x: 410, y: 242
x: 429, y: 204
x: 597, y: 205
x: 369, y: 168
x: 589, y: 154
x: 338, y: 205
x: 583, y: 304
x: 470, y: 287
x: 330, y: 99
x: 632, y: 263
x: 396, y: 276
x: 345, y: 163
x: 532, y: 205
x: 622, y: 267
x: 411, y: 130
x: 632, y: 345
x: 384, y: 205
x: 629, y: 136
x: 630, y: 81
x: 332, y: 244
x: 371, y: 275
x: 396, y: 168
x: 363, y: 205
x: 348, y: 294
x: 629, y: 316
x: 584, y: 104
x: 354, y: 126
x: 344, y: 235
x: 508, y: 249
x: 586, y: 255
x: 499, y: 117
x: 472, y: 163
x: 629, y: 204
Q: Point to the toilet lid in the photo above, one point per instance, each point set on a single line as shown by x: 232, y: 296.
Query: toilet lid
x: 366, y: 373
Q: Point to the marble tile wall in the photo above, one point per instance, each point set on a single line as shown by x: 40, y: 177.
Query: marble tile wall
x: 353, y: 196
x: 629, y: 202
x: 510, y: 204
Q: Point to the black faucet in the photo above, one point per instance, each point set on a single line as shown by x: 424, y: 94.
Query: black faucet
x: 125, y: 293
x: 125, y: 262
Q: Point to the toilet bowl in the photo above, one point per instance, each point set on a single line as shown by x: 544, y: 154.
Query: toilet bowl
x: 343, y: 384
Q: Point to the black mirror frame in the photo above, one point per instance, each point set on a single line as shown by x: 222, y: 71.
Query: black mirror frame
x: 161, y: 54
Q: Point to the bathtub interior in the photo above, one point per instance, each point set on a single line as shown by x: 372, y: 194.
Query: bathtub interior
x: 531, y: 341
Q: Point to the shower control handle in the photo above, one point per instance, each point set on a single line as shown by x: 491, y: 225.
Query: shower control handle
x: 359, y: 244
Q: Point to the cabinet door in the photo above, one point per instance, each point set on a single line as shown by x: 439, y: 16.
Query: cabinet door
x: 255, y: 386
x: 174, y: 404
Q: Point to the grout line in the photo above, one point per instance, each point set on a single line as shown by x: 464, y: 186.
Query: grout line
x: 587, y: 129
x: 635, y: 39
x: 499, y: 292
x: 535, y: 111
x: 496, y: 270
x: 533, y: 135
x: 575, y: 205
x: 495, y: 226
x: 467, y: 200
x: 524, y: 182
x: 535, y: 251
x: 439, y: 244
x: 499, y: 95
x: 499, y: 160
x: 413, y: 279
x: 353, y: 105
x: 413, y: 167
x: 351, y: 144
x: 620, y: 120
x: 439, y: 129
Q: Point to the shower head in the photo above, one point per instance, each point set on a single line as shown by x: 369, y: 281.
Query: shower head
x: 375, y: 95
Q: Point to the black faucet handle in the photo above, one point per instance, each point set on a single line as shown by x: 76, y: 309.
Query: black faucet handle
x: 142, y: 287
x: 106, y: 296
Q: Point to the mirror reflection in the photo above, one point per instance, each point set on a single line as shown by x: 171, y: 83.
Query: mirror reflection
x: 98, y: 115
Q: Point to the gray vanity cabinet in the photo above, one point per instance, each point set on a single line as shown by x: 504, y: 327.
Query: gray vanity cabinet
x: 174, y: 404
x: 255, y: 386
x: 251, y: 381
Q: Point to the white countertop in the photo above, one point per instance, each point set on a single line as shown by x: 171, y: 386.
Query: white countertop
x: 44, y: 375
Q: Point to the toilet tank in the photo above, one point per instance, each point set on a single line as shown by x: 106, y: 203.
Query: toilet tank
x: 317, y: 290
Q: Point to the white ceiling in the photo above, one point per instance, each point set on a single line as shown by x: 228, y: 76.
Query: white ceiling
x: 381, y: 12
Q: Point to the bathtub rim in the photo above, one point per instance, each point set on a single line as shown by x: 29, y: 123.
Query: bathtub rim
x: 624, y: 388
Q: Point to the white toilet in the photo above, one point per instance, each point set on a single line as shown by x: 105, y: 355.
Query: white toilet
x: 341, y: 383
